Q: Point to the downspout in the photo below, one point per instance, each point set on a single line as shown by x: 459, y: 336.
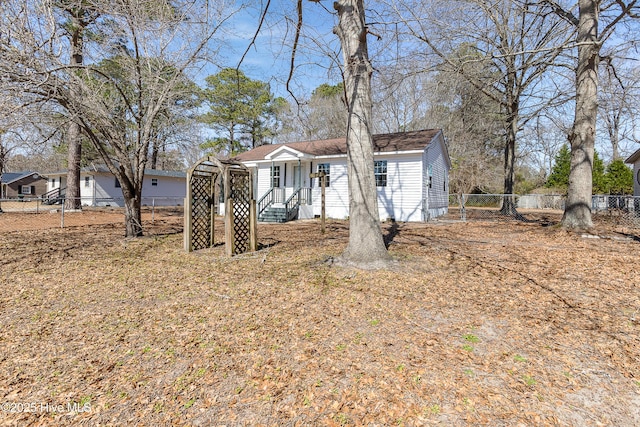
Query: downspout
x: 426, y: 215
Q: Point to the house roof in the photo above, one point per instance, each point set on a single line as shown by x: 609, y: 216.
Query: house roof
x: 10, y: 177
x: 104, y: 169
x: 634, y: 157
x: 390, y: 142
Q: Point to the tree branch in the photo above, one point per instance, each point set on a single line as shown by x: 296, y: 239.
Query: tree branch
x: 295, y: 47
x: 255, y: 35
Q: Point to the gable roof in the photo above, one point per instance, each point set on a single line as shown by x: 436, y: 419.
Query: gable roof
x: 10, y: 177
x: 632, y: 158
x: 104, y: 169
x: 383, y: 143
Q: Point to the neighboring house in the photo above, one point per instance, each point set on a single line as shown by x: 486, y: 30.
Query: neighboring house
x: 99, y: 187
x: 411, y: 172
x: 634, y: 159
x: 22, y: 185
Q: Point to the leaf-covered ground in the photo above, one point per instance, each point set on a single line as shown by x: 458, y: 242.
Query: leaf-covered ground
x: 475, y: 324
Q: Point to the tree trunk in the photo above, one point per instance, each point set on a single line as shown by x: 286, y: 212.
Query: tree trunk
x: 509, y: 204
x: 74, y: 139
x: 132, y: 212
x: 74, y: 142
x: 614, y: 131
x: 3, y: 157
x: 577, y: 214
x: 366, y: 245
x: 155, y: 148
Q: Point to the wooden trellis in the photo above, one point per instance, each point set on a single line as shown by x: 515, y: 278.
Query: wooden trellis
x: 204, y: 181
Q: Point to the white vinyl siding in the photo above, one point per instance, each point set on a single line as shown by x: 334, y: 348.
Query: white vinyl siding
x: 337, y: 194
x: 401, y: 199
x: 404, y: 198
x: 438, y: 194
x: 264, y: 180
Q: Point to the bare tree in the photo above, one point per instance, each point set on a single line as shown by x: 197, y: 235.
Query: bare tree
x: 589, y: 41
x: 80, y: 14
x: 327, y: 115
x: 619, y: 99
x: 366, y: 246
x: 117, y: 95
x: 473, y: 125
x: 402, y: 99
x: 503, y: 48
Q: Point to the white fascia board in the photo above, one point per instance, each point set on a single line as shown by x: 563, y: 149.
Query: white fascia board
x: 332, y: 156
x: 375, y: 154
x: 397, y: 153
x: 293, y: 151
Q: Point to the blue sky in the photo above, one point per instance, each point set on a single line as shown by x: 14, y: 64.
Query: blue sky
x: 269, y: 59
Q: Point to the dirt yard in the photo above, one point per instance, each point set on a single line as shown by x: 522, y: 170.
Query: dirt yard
x: 480, y: 323
x: 48, y: 217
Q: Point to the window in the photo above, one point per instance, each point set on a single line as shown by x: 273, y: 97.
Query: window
x: 275, y: 176
x: 117, y: 183
x: 380, y: 171
x: 326, y: 168
x: 53, y: 182
x: 154, y: 182
x: 86, y: 181
x: 24, y: 189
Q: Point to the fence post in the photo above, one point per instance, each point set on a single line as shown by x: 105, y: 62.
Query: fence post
x: 62, y: 214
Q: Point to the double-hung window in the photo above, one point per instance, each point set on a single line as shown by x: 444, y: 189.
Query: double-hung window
x: 275, y: 176
x: 326, y: 168
x: 380, y: 171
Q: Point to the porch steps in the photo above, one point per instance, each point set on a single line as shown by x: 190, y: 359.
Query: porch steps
x: 274, y: 214
x: 55, y: 196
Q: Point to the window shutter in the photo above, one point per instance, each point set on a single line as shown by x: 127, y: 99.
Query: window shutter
x: 33, y: 190
x: 19, y: 189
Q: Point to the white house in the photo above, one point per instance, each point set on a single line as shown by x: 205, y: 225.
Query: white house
x: 634, y: 159
x: 411, y: 171
x: 99, y: 187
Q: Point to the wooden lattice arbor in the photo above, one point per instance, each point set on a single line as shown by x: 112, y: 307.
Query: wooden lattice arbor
x: 206, y: 180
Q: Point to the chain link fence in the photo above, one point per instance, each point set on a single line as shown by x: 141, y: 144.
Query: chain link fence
x: 39, y: 214
x: 614, y: 210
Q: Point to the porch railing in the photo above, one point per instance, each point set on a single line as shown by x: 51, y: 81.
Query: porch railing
x: 292, y: 205
x: 300, y: 196
x: 274, y: 195
x: 265, y: 201
x: 54, y: 196
x: 305, y: 196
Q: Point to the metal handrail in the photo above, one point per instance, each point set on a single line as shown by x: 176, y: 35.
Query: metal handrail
x: 265, y: 201
x: 292, y: 204
x: 54, y: 196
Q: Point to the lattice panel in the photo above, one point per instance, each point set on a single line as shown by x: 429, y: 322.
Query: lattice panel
x: 201, y: 205
x: 239, y: 192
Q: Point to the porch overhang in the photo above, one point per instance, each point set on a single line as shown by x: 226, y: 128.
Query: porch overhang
x: 285, y: 153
